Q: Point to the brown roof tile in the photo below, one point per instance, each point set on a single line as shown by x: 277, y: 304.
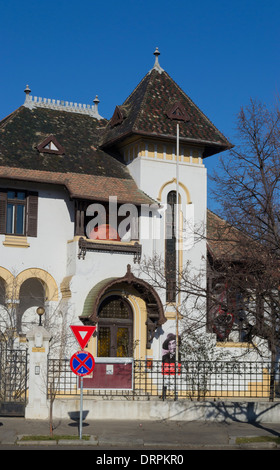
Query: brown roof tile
x: 86, y: 170
x: 91, y: 187
x: 145, y: 112
x: 226, y: 243
x: 89, y: 166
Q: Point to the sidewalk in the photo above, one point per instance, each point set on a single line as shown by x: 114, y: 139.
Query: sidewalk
x: 146, y: 434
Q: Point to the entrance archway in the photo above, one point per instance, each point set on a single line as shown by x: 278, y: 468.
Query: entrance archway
x: 133, y: 293
x: 115, y: 328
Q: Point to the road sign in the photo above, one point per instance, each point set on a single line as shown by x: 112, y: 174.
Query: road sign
x: 83, y: 333
x: 82, y: 363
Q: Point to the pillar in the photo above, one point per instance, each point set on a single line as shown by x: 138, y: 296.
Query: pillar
x: 38, y: 348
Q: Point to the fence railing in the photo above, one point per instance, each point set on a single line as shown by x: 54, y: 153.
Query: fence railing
x: 150, y: 379
x: 13, y: 381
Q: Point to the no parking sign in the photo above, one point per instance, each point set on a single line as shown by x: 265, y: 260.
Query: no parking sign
x: 82, y: 363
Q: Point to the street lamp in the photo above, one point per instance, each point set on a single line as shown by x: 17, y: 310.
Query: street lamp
x: 40, y: 311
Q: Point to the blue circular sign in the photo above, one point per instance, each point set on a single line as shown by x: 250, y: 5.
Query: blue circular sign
x: 82, y: 363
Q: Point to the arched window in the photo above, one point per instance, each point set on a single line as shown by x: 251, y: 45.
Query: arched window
x: 115, y: 321
x: 2, y: 292
x: 170, y: 247
x: 32, y: 296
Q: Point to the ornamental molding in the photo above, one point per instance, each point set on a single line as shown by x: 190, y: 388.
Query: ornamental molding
x: 32, y: 102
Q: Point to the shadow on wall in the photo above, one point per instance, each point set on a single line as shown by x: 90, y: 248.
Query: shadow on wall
x: 258, y: 414
x: 249, y: 412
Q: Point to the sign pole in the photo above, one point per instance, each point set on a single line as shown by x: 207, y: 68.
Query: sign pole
x: 82, y: 362
x: 81, y: 407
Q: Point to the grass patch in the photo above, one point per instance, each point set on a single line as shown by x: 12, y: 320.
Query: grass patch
x: 55, y: 437
x: 248, y: 440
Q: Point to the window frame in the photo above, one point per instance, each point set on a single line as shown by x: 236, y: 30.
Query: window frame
x: 15, y: 203
x: 30, y: 203
x: 114, y: 323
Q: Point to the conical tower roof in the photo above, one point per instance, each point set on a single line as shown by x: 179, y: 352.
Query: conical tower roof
x: 155, y: 107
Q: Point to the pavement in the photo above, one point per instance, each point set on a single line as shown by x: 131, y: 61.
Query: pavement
x: 161, y: 434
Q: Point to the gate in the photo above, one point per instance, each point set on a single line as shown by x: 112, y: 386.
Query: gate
x: 13, y: 381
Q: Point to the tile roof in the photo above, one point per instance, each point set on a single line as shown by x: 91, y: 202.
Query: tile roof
x: 25, y: 129
x: 85, y: 169
x: 83, y: 186
x: 145, y: 112
x: 227, y: 243
x: 88, y: 162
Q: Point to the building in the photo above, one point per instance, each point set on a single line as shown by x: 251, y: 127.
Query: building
x: 65, y: 168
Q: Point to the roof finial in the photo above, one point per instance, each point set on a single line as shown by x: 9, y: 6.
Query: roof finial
x: 156, y: 64
x: 27, y: 90
x: 96, y: 102
x: 156, y: 53
x: 28, y: 99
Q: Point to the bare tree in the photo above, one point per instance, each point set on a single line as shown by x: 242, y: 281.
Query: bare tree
x: 242, y: 294
x: 18, y: 314
x: 191, y: 296
x: 247, y: 187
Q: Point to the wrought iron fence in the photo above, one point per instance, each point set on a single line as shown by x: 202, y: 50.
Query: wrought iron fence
x: 13, y: 380
x: 185, y: 380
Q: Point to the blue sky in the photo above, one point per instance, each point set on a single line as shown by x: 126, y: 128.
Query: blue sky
x: 221, y: 53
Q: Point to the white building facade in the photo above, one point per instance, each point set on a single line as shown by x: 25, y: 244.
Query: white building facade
x: 64, y: 166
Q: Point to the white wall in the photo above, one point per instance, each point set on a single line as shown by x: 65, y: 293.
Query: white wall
x: 157, y: 177
x: 152, y: 174
x: 48, y: 250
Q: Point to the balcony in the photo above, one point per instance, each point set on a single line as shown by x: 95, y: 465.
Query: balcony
x: 107, y: 246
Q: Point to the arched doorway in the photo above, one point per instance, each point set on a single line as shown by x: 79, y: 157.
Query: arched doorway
x: 142, y: 298
x: 115, y: 328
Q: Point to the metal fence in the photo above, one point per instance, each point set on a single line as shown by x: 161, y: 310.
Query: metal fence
x: 13, y: 381
x: 185, y: 380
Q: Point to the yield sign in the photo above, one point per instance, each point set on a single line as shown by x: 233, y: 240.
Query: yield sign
x: 83, y: 333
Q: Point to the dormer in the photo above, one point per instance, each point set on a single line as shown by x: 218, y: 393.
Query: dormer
x: 51, y: 145
x: 117, y: 117
x: 177, y: 112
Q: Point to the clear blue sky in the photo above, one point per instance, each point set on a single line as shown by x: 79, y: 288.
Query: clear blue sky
x: 221, y: 53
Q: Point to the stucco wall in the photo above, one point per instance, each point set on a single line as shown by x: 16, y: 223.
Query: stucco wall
x: 243, y: 411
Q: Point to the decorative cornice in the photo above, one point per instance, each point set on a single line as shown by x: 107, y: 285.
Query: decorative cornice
x: 61, y: 105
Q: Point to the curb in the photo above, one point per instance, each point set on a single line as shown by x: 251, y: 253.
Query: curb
x: 253, y: 445
x: 258, y: 445
x: 95, y: 441
x: 92, y: 441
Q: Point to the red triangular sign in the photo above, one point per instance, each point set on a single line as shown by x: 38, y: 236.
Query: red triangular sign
x: 83, y: 333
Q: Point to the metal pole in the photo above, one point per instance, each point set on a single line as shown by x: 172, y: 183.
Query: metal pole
x: 177, y: 254
x: 177, y: 236
x: 81, y: 407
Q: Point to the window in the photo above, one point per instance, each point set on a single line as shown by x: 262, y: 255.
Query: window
x: 18, y: 212
x: 111, y: 222
x: 229, y: 309
x: 16, y: 209
x: 170, y: 247
x: 115, y: 328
